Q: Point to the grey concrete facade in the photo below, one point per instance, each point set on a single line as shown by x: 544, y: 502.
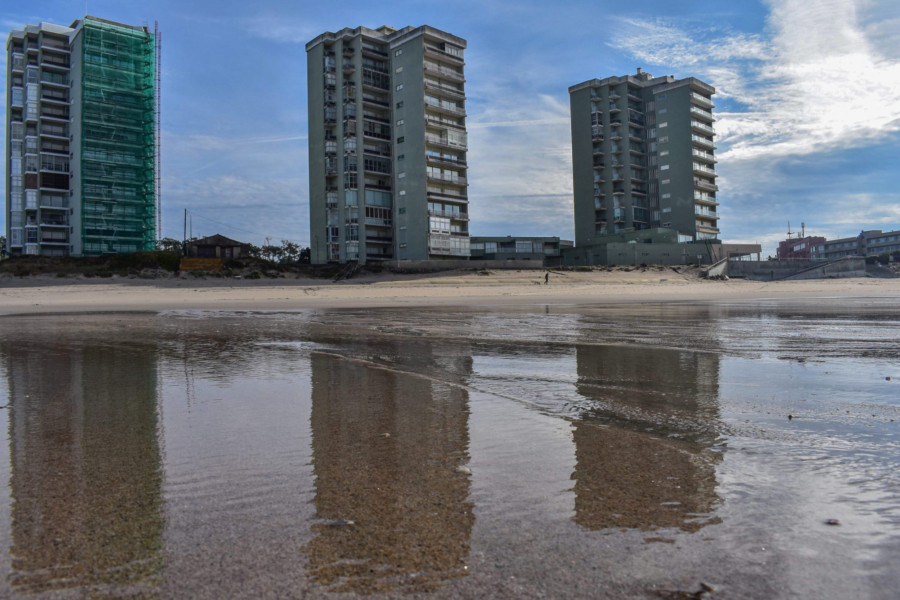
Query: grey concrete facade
x: 643, y: 157
x: 387, y: 145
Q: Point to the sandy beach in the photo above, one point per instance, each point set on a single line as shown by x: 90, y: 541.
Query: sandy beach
x: 53, y: 295
x: 638, y: 433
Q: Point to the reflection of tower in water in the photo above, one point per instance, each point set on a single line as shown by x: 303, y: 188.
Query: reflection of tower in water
x: 391, y: 502
x: 86, y: 474
x: 643, y: 452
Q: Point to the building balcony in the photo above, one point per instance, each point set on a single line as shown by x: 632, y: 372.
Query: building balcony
x: 702, y: 127
x: 54, y: 223
x: 703, y: 142
x: 448, y: 196
x: 446, y: 143
x: 700, y: 184
x: 440, y: 160
x: 705, y: 213
x: 705, y: 199
x: 55, y: 117
x: 440, y: 122
x: 439, y: 53
x: 701, y: 169
x: 445, y: 90
x: 702, y: 114
x: 704, y: 227
x: 368, y: 50
x: 702, y: 155
x: 614, y: 95
x: 451, y: 110
x: 376, y: 101
x: 444, y: 72
x: 448, y: 179
x: 456, y: 216
x: 701, y: 100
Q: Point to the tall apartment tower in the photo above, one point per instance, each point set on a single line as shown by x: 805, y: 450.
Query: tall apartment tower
x: 642, y: 157
x: 81, y: 139
x: 387, y: 145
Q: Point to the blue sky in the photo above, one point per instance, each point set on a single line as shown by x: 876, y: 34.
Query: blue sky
x: 808, y: 104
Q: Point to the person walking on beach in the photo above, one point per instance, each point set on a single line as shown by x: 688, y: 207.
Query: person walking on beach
x: 546, y: 278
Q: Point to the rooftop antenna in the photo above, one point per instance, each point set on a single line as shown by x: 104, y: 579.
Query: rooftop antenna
x: 803, y: 229
x: 790, y: 233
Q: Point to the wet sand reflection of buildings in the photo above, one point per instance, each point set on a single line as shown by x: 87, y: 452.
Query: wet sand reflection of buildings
x: 86, y: 473
x: 644, y: 457
x: 391, y: 503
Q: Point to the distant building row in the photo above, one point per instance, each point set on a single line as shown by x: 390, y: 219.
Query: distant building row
x: 867, y: 243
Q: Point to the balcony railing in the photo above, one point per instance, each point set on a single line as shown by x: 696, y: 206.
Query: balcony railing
x: 706, y: 212
x: 702, y: 127
x: 434, y: 139
x: 458, y: 216
x: 704, y: 169
x: 703, y: 141
x: 443, y: 71
x: 445, y: 89
x: 702, y: 113
x: 448, y: 178
x: 456, y: 110
x: 702, y: 99
x: 703, y: 155
x: 700, y: 183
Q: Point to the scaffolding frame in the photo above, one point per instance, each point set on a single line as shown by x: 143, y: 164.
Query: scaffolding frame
x: 119, y: 142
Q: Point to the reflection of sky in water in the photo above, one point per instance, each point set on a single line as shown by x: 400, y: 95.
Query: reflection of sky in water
x: 226, y: 454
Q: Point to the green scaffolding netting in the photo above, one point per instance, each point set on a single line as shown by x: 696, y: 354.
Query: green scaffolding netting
x: 118, y: 139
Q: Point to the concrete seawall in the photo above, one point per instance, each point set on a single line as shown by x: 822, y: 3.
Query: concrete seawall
x: 776, y: 270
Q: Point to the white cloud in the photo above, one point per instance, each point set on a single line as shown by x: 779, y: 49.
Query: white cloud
x: 816, y: 82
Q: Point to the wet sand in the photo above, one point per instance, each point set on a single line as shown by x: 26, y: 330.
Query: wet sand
x: 603, y: 437
x: 455, y: 288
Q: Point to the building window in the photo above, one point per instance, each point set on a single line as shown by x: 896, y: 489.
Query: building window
x: 402, y: 210
x: 402, y: 193
x: 398, y: 52
x: 663, y: 139
x: 398, y: 70
x: 664, y: 168
x: 664, y: 153
x: 665, y: 181
x: 661, y: 111
x: 401, y: 156
x: 665, y: 196
x: 400, y: 104
x: 667, y: 210
x: 399, y: 122
x: 401, y: 139
x: 403, y: 245
x: 663, y: 124
x: 401, y: 175
x: 661, y: 97
x: 399, y: 87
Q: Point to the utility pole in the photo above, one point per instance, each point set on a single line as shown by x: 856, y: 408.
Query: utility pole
x: 184, y: 237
